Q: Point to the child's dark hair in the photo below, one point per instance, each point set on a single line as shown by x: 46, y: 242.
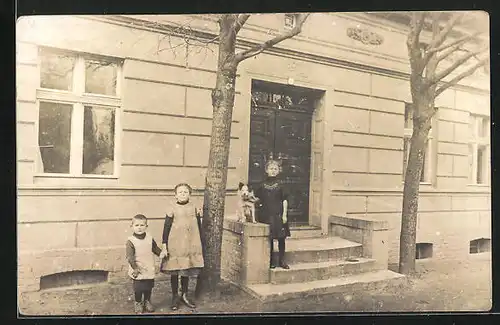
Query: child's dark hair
x: 190, y: 189
x: 140, y: 217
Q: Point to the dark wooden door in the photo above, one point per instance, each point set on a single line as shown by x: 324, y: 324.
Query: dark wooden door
x: 293, y: 148
x: 285, y: 135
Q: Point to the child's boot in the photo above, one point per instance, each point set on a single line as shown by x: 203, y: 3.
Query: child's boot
x: 282, y: 261
x: 186, y: 301
x: 148, y: 306
x: 138, y: 307
x: 175, y: 302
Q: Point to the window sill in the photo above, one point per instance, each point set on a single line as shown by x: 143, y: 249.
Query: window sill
x: 76, y: 176
x: 421, y: 183
x: 479, y: 185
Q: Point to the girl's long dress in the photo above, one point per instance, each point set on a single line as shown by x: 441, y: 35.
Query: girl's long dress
x: 185, y: 256
x: 271, y: 195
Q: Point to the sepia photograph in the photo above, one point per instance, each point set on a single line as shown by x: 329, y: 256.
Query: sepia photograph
x: 253, y: 163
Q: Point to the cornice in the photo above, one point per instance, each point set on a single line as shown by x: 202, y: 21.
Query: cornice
x: 245, y: 43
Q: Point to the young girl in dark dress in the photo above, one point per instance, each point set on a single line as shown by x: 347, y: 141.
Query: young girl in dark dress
x: 273, y: 210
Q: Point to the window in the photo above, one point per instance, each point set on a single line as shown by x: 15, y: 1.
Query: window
x: 423, y: 250
x: 78, y: 110
x: 290, y: 21
x: 428, y: 165
x: 479, y: 245
x: 479, y: 132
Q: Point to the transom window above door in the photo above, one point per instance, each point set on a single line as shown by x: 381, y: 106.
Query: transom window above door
x: 79, y: 102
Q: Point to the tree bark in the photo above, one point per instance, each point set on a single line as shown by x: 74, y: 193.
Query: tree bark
x: 216, y: 177
x: 407, y: 247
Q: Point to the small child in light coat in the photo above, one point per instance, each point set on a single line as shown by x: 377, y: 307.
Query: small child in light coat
x: 141, y: 248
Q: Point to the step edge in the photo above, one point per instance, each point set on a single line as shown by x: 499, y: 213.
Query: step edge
x: 362, y: 260
x: 352, y: 276
x: 319, y: 249
x: 273, y: 296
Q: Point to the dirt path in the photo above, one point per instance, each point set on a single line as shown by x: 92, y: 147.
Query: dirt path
x: 437, y: 286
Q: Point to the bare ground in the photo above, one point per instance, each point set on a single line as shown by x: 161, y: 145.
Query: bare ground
x: 437, y: 286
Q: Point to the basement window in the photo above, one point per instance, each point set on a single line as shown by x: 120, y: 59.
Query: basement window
x: 479, y: 245
x: 290, y: 21
x: 424, y: 250
x: 72, y: 278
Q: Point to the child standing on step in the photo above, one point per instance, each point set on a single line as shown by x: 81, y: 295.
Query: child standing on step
x: 273, y: 210
x: 182, y: 245
x: 140, y: 249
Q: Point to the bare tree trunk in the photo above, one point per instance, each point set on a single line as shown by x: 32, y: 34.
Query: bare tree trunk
x: 407, y: 247
x: 424, y: 59
x: 216, y: 178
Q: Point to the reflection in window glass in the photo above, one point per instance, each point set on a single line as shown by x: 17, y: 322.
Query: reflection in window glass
x: 98, y: 141
x: 57, y: 71
x: 54, y: 136
x: 100, y: 77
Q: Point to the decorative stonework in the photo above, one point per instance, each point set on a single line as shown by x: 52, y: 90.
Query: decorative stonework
x: 365, y: 36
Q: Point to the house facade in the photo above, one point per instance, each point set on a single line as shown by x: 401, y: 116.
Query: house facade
x: 112, y: 115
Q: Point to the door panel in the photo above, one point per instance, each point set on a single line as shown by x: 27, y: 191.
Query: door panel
x: 262, y: 125
x: 280, y: 126
x: 293, y: 148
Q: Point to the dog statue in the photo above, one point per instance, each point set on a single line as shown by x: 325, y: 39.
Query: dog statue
x: 246, y: 203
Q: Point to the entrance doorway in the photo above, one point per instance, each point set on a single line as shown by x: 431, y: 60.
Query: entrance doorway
x: 280, y: 129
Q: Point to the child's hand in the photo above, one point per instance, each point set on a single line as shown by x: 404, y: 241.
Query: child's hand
x: 163, y: 254
x: 135, y: 273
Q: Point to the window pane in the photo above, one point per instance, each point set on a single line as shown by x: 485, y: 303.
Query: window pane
x: 57, y: 71
x: 408, y: 116
x: 54, y: 137
x: 472, y: 177
x: 98, y: 141
x: 406, y: 154
x: 423, y: 174
x: 480, y: 165
x: 483, y: 127
x: 100, y: 77
x: 472, y: 126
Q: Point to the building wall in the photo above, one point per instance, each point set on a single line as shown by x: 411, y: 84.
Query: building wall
x: 165, y: 132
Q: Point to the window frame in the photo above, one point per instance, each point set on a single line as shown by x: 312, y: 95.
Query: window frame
x: 294, y: 21
x: 476, y: 142
x: 78, y: 99
x: 430, y: 158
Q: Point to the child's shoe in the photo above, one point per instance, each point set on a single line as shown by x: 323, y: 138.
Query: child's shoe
x: 148, y: 306
x: 187, y: 302
x: 284, y: 265
x: 138, y: 307
x: 175, y: 302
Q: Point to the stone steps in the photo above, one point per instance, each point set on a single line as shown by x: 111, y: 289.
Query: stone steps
x: 305, y: 232
x: 344, y: 284
x: 321, y: 249
x: 304, y: 272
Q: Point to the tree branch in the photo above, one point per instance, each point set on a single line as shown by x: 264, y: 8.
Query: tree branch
x: 440, y: 38
x: 455, y: 65
x: 242, y: 19
x: 461, y: 76
x: 460, y: 41
x: 301, y: 18
x: 416, y: 25
x: 413, y: 42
